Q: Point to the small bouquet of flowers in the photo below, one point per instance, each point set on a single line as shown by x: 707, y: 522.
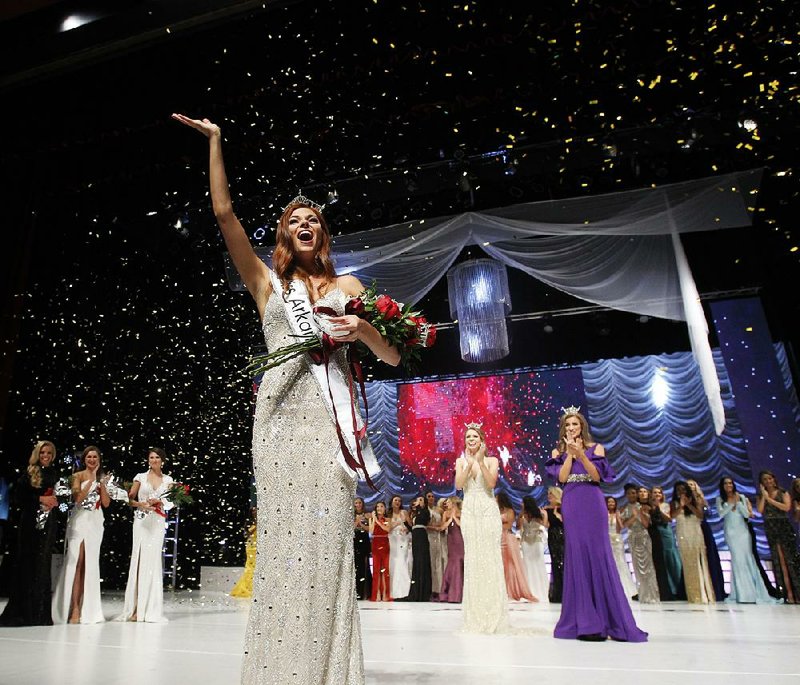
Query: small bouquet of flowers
x: 406, y: 329
x: 63, y: 494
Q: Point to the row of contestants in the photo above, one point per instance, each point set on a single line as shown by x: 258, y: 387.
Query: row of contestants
x: 432, y: 566
x: 76, y: 598
x: 686, y: 564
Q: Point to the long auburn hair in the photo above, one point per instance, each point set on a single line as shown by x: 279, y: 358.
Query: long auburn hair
x: 34, y: 469
x: 562, y: 431
x: 283, y: 262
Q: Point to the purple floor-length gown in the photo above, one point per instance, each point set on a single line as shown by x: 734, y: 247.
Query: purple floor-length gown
x: 593, y: 602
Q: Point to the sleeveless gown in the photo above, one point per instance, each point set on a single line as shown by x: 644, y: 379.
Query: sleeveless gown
x: 84, y: 526
x: 692, y: 546
x: 399, y: 561
x: 485, y: 602
x: 618, y: 550
x: 144, y: 593
x: 303, y: 625
x: 533, y: 540
x: 453, y: 579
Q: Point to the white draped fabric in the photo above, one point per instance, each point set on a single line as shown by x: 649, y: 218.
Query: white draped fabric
x: 619, y: 250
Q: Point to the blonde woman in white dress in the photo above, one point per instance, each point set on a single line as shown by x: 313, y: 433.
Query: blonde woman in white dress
x: 77, y: 595
x: 144, y: 594
x: 485, y: 602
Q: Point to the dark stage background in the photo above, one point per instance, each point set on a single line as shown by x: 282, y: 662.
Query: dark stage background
x: 118, y: 326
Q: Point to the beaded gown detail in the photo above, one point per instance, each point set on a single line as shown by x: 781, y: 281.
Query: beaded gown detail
x: 692, y: 546
x: 783, y: 547
x: 485, y: 602
x: 641, y: 547
x: 303, y: 625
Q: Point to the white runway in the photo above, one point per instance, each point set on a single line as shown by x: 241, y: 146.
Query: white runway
x: 407, y: 644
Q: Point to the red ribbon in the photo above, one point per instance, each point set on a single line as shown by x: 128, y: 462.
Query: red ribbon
x: 329, y: 346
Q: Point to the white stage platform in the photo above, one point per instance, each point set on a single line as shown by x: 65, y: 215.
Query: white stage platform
x: 406, y: 643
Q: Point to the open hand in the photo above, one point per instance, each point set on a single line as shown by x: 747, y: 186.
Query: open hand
x: 203, y: 125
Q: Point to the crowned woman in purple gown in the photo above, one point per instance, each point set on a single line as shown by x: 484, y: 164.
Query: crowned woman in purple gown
x: 594, y: 606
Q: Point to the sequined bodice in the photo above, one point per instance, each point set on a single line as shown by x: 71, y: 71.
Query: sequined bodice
x: 478, y: 497
x: 275, y: 326
x: 532, y: 531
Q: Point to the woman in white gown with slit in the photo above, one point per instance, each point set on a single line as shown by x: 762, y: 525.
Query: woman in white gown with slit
x: 485, y: 601
x: 76, y: 598
x: 144, y: 594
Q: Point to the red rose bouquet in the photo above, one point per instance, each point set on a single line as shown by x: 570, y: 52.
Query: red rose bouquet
x: 406, y: 329
x: 178, y: 494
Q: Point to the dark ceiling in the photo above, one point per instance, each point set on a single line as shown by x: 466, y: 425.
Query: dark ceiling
x: 406, y: 110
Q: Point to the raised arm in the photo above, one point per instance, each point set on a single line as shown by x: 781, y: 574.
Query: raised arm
x: 253, y: 271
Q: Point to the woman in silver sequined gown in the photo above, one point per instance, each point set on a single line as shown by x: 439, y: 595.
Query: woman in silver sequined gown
x: 303, y: 625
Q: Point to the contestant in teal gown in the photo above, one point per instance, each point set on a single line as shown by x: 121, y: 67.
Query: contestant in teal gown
x: 734, y: 510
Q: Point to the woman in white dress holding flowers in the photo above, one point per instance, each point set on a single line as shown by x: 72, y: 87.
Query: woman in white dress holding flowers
x: 303, y: 625
x: 144, y: 594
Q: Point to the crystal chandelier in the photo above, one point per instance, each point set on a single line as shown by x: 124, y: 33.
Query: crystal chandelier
x: 480, y: 301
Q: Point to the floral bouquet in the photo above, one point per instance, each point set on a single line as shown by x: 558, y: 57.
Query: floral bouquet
x: 178, y: 494
x: 63, y: 494
x: 406, y: 329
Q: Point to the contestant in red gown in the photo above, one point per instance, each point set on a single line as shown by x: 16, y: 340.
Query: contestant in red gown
x: 379, y: 530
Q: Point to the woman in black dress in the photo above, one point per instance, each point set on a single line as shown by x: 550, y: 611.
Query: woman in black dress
x: 37, y: 518
x: 774, y: 504
x: 555, y: 543
x: 421, y: 582
x: 361, y: 550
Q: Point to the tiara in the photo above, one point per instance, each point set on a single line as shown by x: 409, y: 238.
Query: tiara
x: 303, y: 200
x: 473, y: 425
x: 571, y: 410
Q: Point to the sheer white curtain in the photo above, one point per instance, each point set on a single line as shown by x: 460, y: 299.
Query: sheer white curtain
x: 620, y: 250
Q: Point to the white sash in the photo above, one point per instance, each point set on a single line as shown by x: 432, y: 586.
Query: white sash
x: 301, y: 320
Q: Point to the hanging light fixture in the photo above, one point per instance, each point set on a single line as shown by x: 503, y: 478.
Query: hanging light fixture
x: 480, y: 301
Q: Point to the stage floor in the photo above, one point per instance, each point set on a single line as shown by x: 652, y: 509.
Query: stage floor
x: 409, y: 644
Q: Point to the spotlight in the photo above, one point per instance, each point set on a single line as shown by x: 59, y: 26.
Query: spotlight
x: 73, y: 21
x: 548, y: 328
x: 659, y: 390
x: 333, y: 197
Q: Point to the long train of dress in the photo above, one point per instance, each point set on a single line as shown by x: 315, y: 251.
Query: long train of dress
x: 303, y: 625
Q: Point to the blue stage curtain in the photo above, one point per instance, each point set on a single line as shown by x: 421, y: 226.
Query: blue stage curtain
x: 651, y: 446
x: 645, y: 444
